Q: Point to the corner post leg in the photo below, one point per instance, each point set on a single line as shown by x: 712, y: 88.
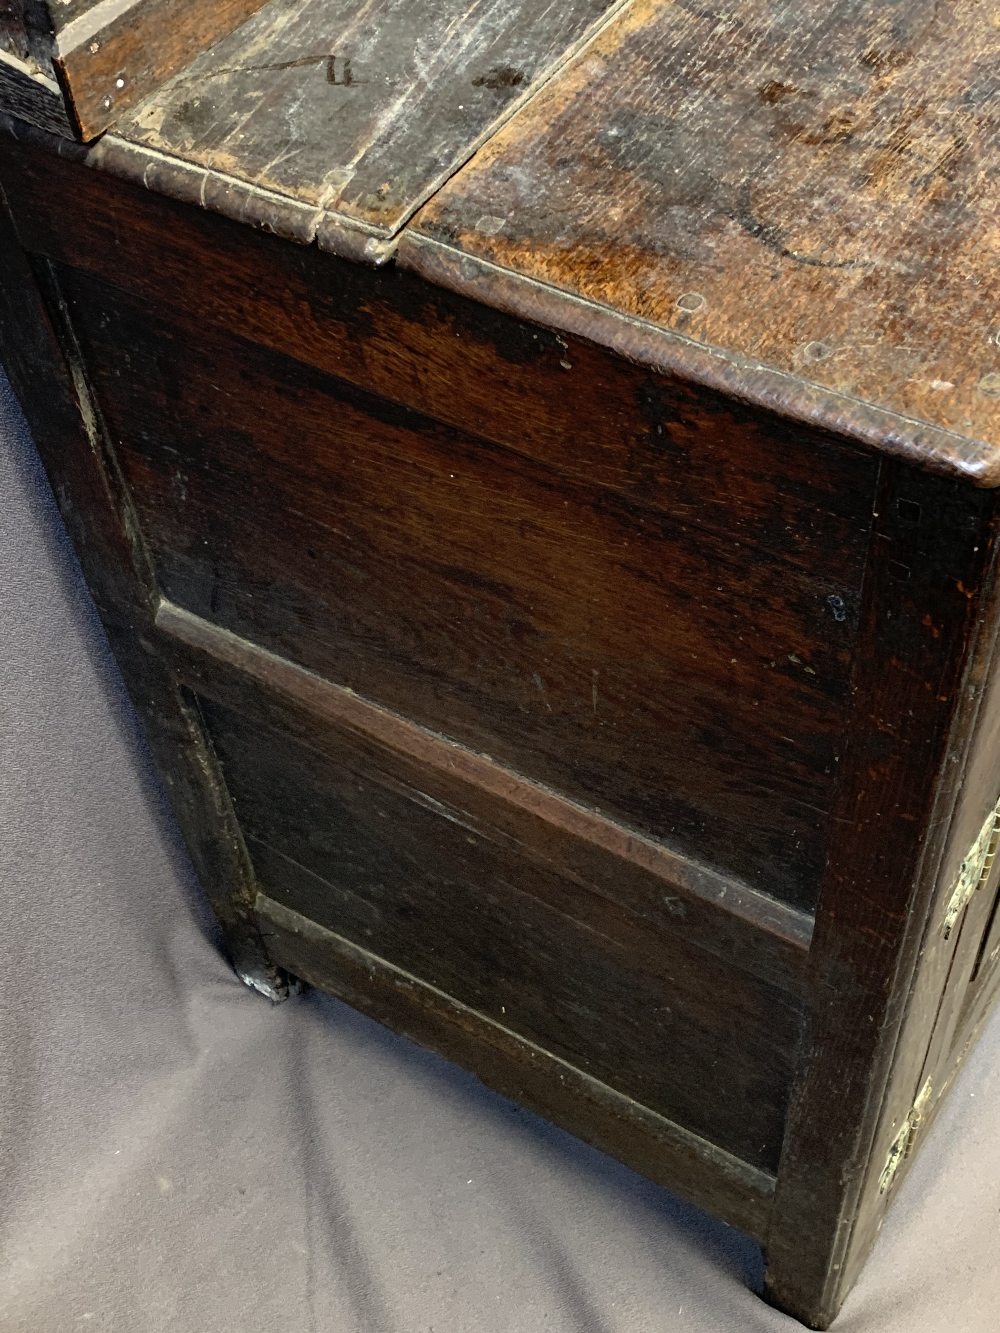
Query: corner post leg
x: 878, y: 963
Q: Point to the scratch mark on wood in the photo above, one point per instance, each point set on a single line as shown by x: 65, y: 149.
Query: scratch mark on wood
x: 540, y: 687
x: 340, y: 74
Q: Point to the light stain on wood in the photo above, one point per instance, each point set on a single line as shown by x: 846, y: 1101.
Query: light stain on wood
x: 811, y: 188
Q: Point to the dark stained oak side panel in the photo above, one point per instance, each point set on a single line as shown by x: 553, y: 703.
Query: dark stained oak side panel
x: 417, y: 884
x: 633, y: 876
x: 712, y: 462
x: 600, y: 646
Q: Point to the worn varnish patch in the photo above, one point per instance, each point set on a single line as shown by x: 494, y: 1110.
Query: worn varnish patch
x: 808, y: 187
x: 358, y: 110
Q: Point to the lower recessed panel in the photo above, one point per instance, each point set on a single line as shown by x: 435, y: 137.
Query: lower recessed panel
x: 367, y: 855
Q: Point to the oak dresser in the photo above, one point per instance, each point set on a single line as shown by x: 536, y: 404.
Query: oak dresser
x: 537, y: 468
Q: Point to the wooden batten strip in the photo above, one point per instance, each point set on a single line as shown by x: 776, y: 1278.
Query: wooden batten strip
x: 750, y: 930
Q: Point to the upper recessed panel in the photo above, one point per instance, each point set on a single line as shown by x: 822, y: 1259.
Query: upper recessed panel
x: 359, y: 108
x: 808, y: 188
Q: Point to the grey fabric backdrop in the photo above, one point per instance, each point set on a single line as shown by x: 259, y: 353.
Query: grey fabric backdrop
x: 178, y: 1154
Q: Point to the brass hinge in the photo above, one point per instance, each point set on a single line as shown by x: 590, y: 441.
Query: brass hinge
x: 974, y: 870
x: 902, y: 1144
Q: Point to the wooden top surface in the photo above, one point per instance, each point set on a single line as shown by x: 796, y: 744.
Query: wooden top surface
x: 105, y: 54
x: 796, y: 204
x: 804, y: 195
x: 359, y: 109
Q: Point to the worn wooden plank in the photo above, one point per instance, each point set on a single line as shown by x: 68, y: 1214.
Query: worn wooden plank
x: 30, y: 28
x: 717, y: 466
x: 795, y: 201
x: 117, y: 52
x: 358, y: 110
x: 108, y: 54
x: 31, y: 95
x: 661, y: 1150
x: 595, y: 645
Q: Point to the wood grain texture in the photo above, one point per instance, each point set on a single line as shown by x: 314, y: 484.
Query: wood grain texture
x: 31, y: 95
x: 638, y: 877
x: 517, y: 1068
x: 43, y: 362
x: 928, y: 628
x: 799, y: 195
x: 36, y: 24
x: 384, y: 513
x: 418, y: 884
x: 29, y: 28
x: 599, y: 647
x: 358, y: 110
x: 656, y: 440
